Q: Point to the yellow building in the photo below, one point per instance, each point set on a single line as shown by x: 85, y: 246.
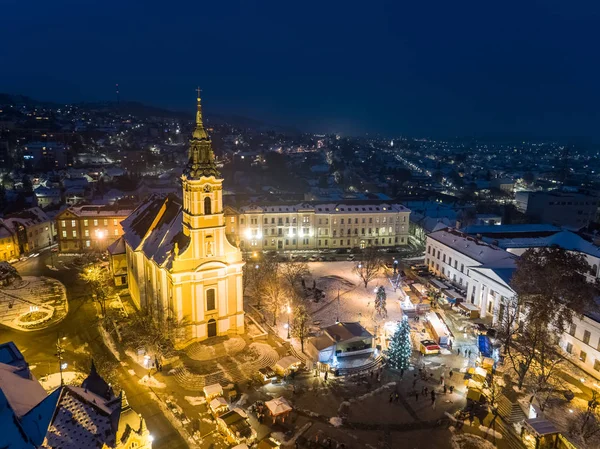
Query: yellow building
x: 89, y: 227
x: 9, y: 244
x: 180, y: 264
x: 317, y: 226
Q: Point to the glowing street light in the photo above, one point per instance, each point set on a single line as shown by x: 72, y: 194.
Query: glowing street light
x: 289, y: 311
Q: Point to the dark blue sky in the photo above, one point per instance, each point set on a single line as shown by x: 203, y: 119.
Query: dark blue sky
x: 437, y: 68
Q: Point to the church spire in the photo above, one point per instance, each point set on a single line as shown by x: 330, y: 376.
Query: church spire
x: 199, y: 131
x: 201, y: 159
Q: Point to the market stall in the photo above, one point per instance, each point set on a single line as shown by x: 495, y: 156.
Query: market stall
x: 470, y: 309
x: 212, y: 391
x: 279, y: 409
x: 287, y: 364
x: 438, y: 329
x: 218, y: 406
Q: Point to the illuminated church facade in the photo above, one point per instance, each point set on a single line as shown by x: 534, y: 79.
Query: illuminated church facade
x: 181, y: 267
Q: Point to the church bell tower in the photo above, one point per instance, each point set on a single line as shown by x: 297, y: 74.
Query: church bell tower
x: 203, y: 219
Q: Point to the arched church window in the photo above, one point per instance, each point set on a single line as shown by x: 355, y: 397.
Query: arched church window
x: 207, y: 206
x: 210, y: 299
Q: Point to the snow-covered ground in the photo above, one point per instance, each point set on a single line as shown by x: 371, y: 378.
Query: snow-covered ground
x: 355, y: 302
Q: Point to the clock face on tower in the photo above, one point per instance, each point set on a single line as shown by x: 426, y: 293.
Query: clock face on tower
x: 207, y: 189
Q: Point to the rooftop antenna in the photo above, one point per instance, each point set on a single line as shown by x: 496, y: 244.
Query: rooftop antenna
x: 117, y: 93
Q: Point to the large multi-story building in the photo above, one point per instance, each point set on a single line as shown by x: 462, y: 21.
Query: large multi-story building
x: 314, y: 226
x: 558, y: 207
x: 49, y: 155
x: 478, y: 268
x: 33, y: 228
x: 483, y: 270
x: 89, y: 228
x: 180, y: 263
x: 582, y: 342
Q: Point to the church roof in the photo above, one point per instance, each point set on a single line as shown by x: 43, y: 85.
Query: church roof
x: 97, y: 385
x: 154, y: 228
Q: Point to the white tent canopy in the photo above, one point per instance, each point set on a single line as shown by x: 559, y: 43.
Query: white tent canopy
x: 213, y: 390
x: 278, y: 406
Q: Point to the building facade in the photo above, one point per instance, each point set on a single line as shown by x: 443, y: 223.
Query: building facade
x: 582, y: 342
x: 33, y: 228
x: 481, y: 270
x: 89, y: 228
x: 181, y: 267
x: 9, y: 244
x: 559, y: 208
x: 315, y: 226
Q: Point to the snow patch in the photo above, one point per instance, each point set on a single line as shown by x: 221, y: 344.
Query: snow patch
x: 490, y: 432
x: 151, y: 382
x: 336, y: 421
x: 195, y: 400
x: 468, y: 441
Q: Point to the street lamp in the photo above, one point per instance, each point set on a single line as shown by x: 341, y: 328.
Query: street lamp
x: 289, y: 311
x: 59, y: 352
x: 337, y: 318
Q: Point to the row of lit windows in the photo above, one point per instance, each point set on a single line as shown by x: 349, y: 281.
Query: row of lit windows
x: 86, y: 233
x: 86, y: 222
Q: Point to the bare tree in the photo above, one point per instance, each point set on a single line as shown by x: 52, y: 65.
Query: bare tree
x: 300, y: 324
x: 546, y: 381
x: 293, y: 271
x: 552, y: 285
x: 508, y: 322
x: 586, y: 425
x: 368, y: 266
x: 523, y: 352
x: 100, y: 282
x: 273, y: 293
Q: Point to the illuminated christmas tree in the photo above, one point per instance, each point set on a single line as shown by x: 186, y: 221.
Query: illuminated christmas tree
x: 400, y: 348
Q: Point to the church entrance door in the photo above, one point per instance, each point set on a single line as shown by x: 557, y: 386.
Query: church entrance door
x: 212, y: 328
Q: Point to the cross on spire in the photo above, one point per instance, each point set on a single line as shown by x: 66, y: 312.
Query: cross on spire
x: 198, y: 90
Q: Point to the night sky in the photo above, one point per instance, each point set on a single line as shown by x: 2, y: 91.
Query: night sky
x: 422, y: 68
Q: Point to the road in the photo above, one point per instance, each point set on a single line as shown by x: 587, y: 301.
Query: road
x: 83, y: 341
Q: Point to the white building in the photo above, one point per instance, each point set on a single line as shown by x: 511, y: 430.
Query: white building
x: 313, y: 226
x: 582, y: 342
x: 480, y: 269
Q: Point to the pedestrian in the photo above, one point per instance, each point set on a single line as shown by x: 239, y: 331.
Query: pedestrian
x: 326, y: 374
x: 414, y: 383
x: 401, y: 373
x: 450, y: 374
x: 458, y: 351
x: 432, y: 394
x: 396, y: 397
x: 451, y: 389
x: 469, y: 352
x: 445, y: 388
x: 416, y: 396
x: 372, y: 374
x: 450, y: 344
x: 426, y: 391
x: 391, y: 397
x: 378, y: 378
x: 433, y: 403
x: 442, y: 379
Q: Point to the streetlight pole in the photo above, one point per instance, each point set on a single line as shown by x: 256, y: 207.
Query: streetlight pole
x: 289, y: 311
x: 59, y: 352
x: 337, y: 318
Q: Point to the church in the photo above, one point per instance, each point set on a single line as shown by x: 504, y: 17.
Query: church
x: 181, y: 267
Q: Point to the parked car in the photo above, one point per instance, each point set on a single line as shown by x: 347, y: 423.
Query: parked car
x: 350, y: 257
x: 429, y: 347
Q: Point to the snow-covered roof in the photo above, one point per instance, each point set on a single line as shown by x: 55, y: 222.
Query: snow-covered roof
x: 510, y: 229
x: 92, y: 210
x: 564, y: 239
x: 154, y: 228
x: 82, y: 420
x: 478, y: 250
x: 212, y: 390
x: 27, y: 217
x: 278, y: 406
x: 22, y: 393
x: 287, y: 361
x: 367, y: 207
x: 117, y: 247
x: 341, y: 332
